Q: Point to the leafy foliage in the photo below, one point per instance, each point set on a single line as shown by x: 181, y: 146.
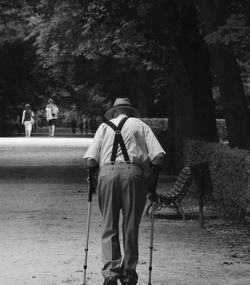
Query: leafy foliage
x: 91, y: 100
x: 12, y: 20
x: 124, y: 30
x: 235, y: 32
x: 69, y: 42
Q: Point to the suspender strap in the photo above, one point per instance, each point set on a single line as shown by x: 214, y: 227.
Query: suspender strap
x: 118, y: 140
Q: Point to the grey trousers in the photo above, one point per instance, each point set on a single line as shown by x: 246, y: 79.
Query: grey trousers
x: 121, y: 188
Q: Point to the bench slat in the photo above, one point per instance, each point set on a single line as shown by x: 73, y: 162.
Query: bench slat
x: 180, y: 185
x: 182, y: 180
x: 176, y: 189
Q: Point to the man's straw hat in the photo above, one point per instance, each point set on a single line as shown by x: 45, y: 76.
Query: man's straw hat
x: 123, y: 103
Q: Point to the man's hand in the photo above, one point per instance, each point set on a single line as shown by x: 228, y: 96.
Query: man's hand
x: 155, y: 168
x: 92, y: 178
x: 153, y: 197
x: 91, y: 163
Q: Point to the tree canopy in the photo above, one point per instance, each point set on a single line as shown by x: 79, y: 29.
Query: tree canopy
x: 88, y: 52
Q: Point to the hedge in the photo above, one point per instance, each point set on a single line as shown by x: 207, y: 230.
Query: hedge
x: 229, y: 170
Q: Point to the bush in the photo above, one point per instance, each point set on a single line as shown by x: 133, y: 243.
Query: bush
x: 229, y: 170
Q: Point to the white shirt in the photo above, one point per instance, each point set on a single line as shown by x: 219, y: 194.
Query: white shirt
x: 139, y: 139
x: 51, y: 109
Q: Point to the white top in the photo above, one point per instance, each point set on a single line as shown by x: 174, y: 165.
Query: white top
x: 50, y: 110
x: 140, y: 141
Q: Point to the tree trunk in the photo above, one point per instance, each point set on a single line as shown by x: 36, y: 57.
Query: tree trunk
x: 228, y: 76
x: 195, y: 58
x: 182, y: 122
x: 193, y: 105
x: 144, y: 98
x: 193, y: 108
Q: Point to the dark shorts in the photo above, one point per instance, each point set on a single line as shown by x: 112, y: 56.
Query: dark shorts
x: 52, y: 122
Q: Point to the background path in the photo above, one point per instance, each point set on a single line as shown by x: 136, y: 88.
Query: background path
x: 43, y: 196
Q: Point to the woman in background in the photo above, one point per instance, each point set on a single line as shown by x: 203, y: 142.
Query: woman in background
x: 27, y: 120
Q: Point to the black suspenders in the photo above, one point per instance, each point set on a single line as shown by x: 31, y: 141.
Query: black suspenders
x: 118, y: 140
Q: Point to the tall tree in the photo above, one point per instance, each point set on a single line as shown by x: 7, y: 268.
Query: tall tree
x: 196, y: 60
x: 214, y: 15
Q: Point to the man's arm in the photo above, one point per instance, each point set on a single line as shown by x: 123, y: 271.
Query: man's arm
x: 92, y: 169
x: 158, y: 160
x: 91, y: 163
x: 155, y: 165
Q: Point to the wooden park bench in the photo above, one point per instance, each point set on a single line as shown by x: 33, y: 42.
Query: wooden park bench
x: 200, y: 174
x: 173, y: 197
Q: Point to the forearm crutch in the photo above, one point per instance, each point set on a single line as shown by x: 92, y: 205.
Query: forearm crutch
x: 151, y: 247
x: 91, y: 190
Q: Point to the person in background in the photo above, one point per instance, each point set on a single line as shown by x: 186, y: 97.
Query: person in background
x: 92, y: 123
x: 123, y: 149
x: 73, y: 119
x: 17, y: 124
x: 99, y: 120
x: 85, y: 123
x: 80, y: 124
x: 27, y: 120
x: 51, y: 116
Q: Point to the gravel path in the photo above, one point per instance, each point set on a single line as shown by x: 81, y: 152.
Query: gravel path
x: 43, y: 194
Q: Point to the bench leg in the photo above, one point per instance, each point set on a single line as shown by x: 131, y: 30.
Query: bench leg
x: 148, y: 209
x: 182, y: 213
x: 176, y: 208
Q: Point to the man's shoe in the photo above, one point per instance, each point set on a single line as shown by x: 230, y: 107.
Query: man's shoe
x: 110, y: 281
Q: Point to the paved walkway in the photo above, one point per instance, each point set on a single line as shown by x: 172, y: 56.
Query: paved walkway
x: 43, y: 194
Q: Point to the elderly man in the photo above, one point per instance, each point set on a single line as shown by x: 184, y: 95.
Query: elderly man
x: 123, y: 148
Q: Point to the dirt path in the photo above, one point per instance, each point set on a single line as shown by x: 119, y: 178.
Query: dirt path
x: 43, y: 220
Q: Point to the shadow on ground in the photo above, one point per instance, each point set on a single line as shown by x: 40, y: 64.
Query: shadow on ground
x: 51, y: 174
